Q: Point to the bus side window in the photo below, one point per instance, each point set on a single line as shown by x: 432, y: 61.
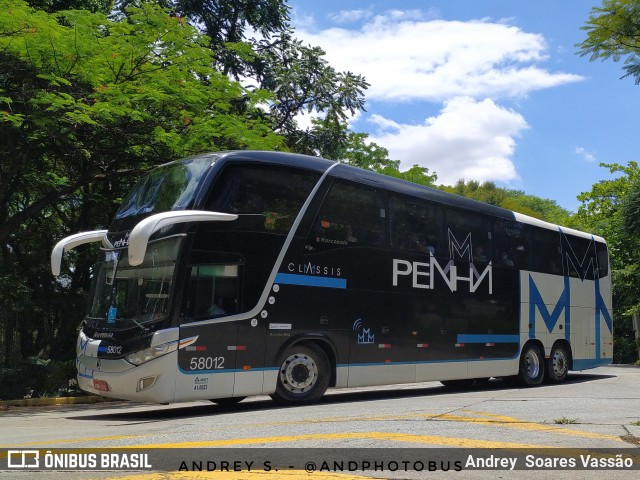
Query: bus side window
x: 351, y: 215
x: 469, y: 236
x: 579, y: 257
x: 603, y: 260
x: 545, y: 255
x: 415, y: 225
x: 509, y: 243
x: 212, y: 291
x: 277, y: 193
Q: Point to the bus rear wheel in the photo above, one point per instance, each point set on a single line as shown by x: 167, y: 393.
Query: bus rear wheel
x: 531, y: 372
x: 558, y: 364
x: 303, y: 376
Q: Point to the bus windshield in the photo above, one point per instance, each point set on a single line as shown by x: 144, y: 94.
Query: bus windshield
x: 124, y: 296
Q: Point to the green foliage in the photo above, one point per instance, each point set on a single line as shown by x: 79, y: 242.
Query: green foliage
x: 565, y: 421
x: 147, y: 83
x: 514, y: 200
x: 302, y: 81
x: 51, y: 6
x: 613, y: 32
x: 415, y: 174
x: 87, y: 103
x: 612, y: 207
x: 608, y: 210
x: 35, y: 377
x: 354, y: 149
x: 227, y: 23
x: 298, y: 77
x: 631, y: 211
x: 141, y: 86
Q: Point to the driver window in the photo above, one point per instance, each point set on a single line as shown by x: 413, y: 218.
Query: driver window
x: 212, y: 291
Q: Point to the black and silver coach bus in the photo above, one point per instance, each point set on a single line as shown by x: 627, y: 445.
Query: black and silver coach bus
x: 245, y: 273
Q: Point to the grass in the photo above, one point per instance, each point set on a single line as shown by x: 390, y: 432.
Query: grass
x: 636, y: 423
x: 565, y: 421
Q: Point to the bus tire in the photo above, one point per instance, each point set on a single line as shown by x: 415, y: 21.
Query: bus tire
x: 558, y: 364
x: 303, y: 376
x: 227, y: 401
x: 532, y: 362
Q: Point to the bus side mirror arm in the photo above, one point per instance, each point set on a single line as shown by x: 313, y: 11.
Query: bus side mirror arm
x: 71, y: 242
x: 141, y: 233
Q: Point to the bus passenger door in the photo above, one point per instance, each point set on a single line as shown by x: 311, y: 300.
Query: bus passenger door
x: 250, y: 371
x: 208, y: 343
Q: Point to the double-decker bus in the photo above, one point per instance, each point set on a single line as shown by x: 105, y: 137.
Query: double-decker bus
x: 231, y: 274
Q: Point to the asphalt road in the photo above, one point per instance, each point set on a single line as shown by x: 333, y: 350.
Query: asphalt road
x: 596, y: 409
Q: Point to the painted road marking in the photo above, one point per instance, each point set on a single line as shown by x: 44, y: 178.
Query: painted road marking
x: 386, y: 436
x: 483, y: 418
x: 511, y: 422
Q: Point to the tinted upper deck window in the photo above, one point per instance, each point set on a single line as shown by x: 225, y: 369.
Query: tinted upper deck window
x: 545, y: 253
x: 275, y: 192
x: 415, y: 225
x: 579, y: 257
x: 510, y: 244
x: 351, y: 215
x: 469, y: 236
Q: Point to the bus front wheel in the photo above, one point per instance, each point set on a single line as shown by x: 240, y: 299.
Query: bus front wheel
x: 532, y: 362
x: 303, y: 376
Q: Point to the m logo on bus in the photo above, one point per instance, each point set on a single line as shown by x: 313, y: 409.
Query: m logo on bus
x: 463, y: 251
x: 550, y: 318
x: 587, y: 267
x: 365, y: 336
x: 423, y: 274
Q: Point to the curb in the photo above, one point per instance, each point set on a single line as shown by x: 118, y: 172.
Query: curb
x: 39, y: 402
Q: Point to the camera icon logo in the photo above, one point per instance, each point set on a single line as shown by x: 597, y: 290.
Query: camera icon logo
x: 23, y: 459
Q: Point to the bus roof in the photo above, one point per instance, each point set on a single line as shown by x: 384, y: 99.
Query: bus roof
x: 396, y: 185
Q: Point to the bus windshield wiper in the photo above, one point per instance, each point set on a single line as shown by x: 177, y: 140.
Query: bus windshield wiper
x: 142, y: 327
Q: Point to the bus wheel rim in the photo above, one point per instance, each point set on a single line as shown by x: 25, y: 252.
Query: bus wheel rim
x: 533, y: 364
x: 559, y: 363
x: 299, y: 373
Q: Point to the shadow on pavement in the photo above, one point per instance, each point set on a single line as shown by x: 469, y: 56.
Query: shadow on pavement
x: 128, y: 412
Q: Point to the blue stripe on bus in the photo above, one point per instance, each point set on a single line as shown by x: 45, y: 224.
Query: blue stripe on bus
x: 423, y: 362
x: 472, y: 338
x: 227, y: 370
x: 587, y: 363
x: 310, y: 280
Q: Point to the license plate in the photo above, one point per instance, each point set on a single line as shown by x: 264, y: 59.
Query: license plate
x: 101, y: 385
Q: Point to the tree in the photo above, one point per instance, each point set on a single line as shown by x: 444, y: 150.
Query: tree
x: 253, y: 40
x: 227, y: 24
x: 612, y: 207
x: 339, y: 143
x: 613, y: 32
x: 608, y: 210
x: 86, y: 104
x: 51, y: 6
x: 303, y: 81
x: 514, y: 200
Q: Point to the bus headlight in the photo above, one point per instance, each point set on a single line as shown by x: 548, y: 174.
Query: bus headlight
x: 143, y: 356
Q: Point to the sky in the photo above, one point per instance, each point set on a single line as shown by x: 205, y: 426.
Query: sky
x: 482, y: 89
